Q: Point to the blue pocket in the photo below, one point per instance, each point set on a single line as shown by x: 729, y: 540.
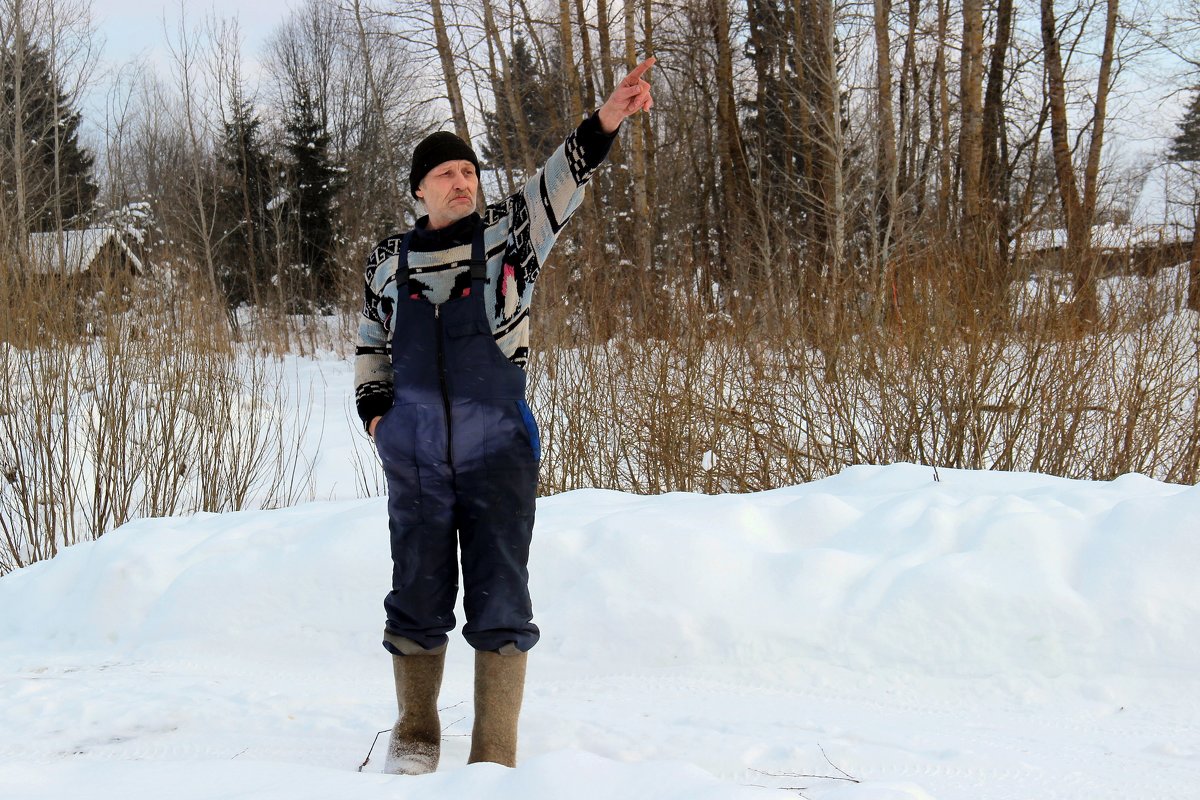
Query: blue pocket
x: 535, y: 440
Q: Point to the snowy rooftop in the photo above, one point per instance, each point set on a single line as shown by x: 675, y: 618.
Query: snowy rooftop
x: 1169, y: 196
x: 1164, y: 212
x: 72, y: 252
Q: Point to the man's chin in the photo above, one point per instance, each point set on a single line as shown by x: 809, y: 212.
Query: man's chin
x: 448, y: 216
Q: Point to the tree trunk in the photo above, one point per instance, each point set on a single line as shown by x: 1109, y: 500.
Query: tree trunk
x: 910, y: 110
x: 494, y: 44
x: 939, y: 120
x: 971, y: 89
x: 1091, y: 172
x: 589, y: 79
x: 833, y: 148
x: 763, y: 63
x: 19, y: 135
x: 993, y: 107
x: 886, y: 165
x: 566, y: 39
x: 535, y: 40
x: 651, y: 179
x: 1078, y: 248
x: 994, y: 178
x: 735, y: 175
x: 606, y: 58
x: 398, y: 191
x: 450, y: 74
x: 788, y: 112
x: 513, y: 102
x: 887, y: 169
x: 1193, y: 295
x: 203, y: 224
x: 806, y: 91
x: 637, y: 149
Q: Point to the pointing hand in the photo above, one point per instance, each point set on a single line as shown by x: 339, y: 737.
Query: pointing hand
x: 631, y: 96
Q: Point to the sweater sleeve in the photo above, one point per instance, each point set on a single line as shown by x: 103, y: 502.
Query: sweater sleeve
x: 544, y: 205
x: 373, y: 390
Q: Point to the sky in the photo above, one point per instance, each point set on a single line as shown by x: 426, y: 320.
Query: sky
x: 135, y: 28
x: 1144, y: 115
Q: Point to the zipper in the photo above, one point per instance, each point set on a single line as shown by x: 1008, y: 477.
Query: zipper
x: 441, y: 359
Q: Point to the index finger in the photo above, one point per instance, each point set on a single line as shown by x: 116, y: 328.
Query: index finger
x: 639, y: 71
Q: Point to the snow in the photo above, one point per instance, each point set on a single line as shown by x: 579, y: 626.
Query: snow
x: 1109, y: 236
x: 949, y: 634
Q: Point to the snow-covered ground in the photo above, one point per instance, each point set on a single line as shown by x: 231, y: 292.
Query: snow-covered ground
x: 954, y: 636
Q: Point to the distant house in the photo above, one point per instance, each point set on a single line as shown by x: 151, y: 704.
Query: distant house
x: 1162, y: 224
x: 75, y: 253
x: 1169, y: 200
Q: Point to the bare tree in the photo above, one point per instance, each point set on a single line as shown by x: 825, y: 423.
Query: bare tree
x: 971, y: 101
x: 641, y: 210
x: 589, y: 69
x: 827, y: 136
x: 449, y: 72
x: 195, y: 93
x: 737, y: 203
x: 606, y: 51
x: 939, y: 112
x: 1078, y: 207
x: 910, y: 170
x: 566, y: 40
x: 888, y: 171
x: 994, y: 168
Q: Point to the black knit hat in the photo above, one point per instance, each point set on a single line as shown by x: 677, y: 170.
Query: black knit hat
x: 433, y: 150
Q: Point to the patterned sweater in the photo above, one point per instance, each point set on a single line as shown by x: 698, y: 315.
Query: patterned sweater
x: 518, y: 234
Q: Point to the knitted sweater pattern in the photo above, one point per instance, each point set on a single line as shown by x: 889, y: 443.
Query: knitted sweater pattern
x: 519, y: 232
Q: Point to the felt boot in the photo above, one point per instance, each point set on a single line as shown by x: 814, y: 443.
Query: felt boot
x: 416, y: 741
x: 499, y: 688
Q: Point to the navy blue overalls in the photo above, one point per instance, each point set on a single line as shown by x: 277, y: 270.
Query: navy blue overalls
x: 460, y: 450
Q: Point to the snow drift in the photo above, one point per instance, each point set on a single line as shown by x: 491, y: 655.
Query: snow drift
x: 959, y: 635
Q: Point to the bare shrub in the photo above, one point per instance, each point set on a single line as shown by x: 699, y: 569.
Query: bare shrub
x: 153, y: 411
x: 954, y: 376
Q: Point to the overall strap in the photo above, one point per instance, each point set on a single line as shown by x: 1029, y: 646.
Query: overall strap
x: 402, y: 266
x: 478, y: 256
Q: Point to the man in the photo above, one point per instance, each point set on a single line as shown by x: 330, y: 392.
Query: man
x: 440, y: 385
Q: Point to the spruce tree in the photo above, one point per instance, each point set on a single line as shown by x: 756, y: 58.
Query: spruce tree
x: 777, y: 137
x: 39, y: 143
x: 537, y: 106
x: 1186, y: 146
x: 313, y: 184
x: 246, y: 253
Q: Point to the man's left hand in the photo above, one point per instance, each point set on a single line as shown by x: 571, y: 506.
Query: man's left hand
x: 631, y: 96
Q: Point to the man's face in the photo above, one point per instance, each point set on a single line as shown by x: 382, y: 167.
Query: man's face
x: 448, y: 191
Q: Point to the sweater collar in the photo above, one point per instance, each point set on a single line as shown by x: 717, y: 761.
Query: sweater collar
x: 459, y: 233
